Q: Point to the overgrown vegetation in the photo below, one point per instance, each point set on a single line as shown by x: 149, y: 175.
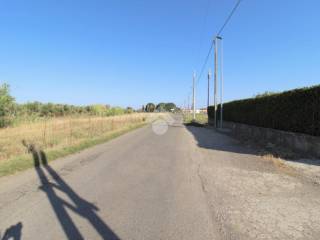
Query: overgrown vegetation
x: 57, y: 129
x: 12, y: 113
x: 7, y: 105
x: 297, y: 110
x: 265, y: 94
x: 60, y: 137
x: 61, y: 132
x: 201, y: 119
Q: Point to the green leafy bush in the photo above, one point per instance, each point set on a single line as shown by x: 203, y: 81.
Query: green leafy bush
x: 295, y: 111
x: 7, y: 106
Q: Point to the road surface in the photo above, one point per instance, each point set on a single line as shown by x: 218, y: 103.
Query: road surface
x: 188, y: 183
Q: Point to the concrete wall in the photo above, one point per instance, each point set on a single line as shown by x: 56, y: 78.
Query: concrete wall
x: 297, y: 142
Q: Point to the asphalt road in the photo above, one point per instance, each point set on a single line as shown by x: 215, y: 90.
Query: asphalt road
x: 187, y: 183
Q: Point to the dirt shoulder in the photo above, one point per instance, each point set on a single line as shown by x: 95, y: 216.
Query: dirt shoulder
x: 254, y: 197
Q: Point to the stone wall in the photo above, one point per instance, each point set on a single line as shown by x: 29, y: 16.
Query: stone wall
x: 300, y: 143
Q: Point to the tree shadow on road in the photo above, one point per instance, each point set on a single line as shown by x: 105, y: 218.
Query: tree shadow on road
x: 79, y: 205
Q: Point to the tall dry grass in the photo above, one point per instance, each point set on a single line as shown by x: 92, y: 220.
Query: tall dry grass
x: 62, y: 132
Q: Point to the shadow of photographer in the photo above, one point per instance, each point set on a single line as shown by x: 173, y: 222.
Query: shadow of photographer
x: 13, y: 233
x: 80, y: 206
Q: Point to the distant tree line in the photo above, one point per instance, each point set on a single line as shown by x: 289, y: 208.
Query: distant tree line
x: 161, y: 107
x: 10, y: 110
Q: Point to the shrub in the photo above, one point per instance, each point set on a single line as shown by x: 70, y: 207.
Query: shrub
x: 296, y: 111
x: 7, y: 105
x: 129, y: 110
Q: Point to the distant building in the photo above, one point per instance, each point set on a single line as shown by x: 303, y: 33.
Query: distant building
x: 201, y: 110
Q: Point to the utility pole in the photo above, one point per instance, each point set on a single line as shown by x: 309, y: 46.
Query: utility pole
x: 221, y: 84
x: 215, y: 80
x: 215, y: 43
x: 209, y: 77
x: 194, y: 96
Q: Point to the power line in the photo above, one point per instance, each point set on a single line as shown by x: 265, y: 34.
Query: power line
x: 207, y: 6
x: 205, y: 63
x: 219, y: 32
x: 229, y: 17
x: 200, y: 45
x: 212, y: 42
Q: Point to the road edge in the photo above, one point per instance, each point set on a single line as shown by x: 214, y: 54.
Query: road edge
x: 24, y: 162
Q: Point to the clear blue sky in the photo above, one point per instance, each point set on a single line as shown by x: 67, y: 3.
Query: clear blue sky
x: 130, y: 52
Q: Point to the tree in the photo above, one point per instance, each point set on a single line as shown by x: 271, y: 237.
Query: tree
x: 150, y: 107
x: 170, y: 107
x: 161, y: 107
x: 115, y: 111
x: 47, y: 110
x: 7, y: 105
x: 7, y: 102
x: 129, y: 110
x: 99, y: 109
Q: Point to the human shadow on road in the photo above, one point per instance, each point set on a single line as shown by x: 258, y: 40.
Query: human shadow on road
x: 79, y: 205
x: 13, y: 232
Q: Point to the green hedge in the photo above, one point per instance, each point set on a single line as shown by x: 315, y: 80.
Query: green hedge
x: 295, y: 111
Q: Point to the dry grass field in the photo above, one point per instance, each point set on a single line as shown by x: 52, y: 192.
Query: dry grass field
x: 201, y: 118
x: 61, y: 135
